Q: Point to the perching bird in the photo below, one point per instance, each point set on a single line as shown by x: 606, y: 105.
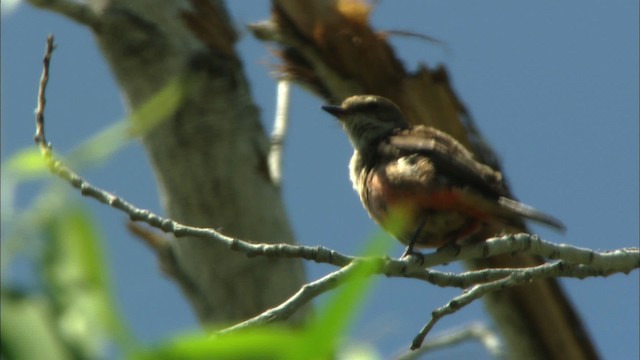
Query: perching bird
x: 420, y: 184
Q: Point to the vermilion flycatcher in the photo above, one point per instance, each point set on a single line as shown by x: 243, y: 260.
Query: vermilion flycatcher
x: 420, y: 184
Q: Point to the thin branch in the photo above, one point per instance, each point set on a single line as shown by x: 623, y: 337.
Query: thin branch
x: 318, y: 254
x: 306, y: 293
x: 517, y: 277
x: 476, y: 331
x: 280, y: 126
x: 484, y: 281
x: 39, y: 137
x: 78, y: 11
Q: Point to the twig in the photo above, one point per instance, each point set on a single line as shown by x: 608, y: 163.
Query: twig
x: 319, y: 254
x: 532, y: 244
x: 306, y: 293
x: 280, y: 126
x: 39, y: 137
x: 475, y: 331
x: 517, y: 277
x: 489, y: 279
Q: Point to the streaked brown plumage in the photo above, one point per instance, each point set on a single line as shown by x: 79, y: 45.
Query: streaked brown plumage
x: 420, y: 184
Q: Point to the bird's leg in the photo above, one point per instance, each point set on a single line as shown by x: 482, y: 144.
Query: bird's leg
x: 409, y: 250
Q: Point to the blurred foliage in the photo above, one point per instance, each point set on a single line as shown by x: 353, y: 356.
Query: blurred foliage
x: 58, y: 303
x: 155, y: 110
x: 64, y: 307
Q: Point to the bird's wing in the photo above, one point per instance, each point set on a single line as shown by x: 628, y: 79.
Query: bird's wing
x: 452, y: 160
x: 449, y: 157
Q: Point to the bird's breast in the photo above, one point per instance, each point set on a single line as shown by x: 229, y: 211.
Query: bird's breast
x: 401, y: 194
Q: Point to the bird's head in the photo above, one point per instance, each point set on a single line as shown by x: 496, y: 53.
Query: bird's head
x: 367, y: 118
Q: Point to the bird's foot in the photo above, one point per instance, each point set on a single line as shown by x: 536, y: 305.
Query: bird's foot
x: 409, y: 252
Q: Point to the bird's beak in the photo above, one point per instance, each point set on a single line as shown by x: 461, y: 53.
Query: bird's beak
x: 336, y: 111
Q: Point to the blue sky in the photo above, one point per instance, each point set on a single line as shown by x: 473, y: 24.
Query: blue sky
x: 552, y: 85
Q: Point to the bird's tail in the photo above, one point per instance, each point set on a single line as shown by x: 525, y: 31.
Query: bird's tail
x: 529, y: 212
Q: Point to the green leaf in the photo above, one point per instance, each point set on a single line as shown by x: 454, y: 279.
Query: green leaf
x: 99, y: 147
x: 26, y: 164
x: 154, y: 111
x: 73, y: 270
x: 28, y: 329
x: 329, y: 327
x: 267, y: 342
x: 158, y: 108
x: 77, y: 278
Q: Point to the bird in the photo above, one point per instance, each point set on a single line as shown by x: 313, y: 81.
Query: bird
x: 420, y: 184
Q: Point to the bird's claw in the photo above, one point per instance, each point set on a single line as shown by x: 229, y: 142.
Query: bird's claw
x: 413, y: 254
